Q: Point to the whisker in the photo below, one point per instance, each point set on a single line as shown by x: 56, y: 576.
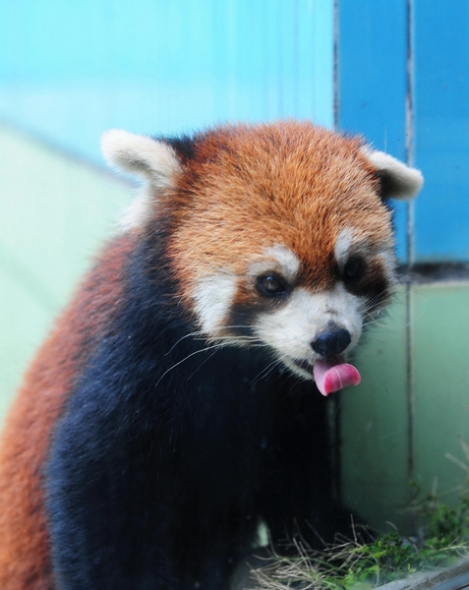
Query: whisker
x: 211, y: 347
x: 191, y: 334
x: 266, y: 370
x: 199, y: 335
x: 202, y: 364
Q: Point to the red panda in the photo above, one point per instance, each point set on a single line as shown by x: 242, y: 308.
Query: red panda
x: 173, y: 407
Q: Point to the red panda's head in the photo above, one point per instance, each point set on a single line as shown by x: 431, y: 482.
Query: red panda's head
x: 281, y: 235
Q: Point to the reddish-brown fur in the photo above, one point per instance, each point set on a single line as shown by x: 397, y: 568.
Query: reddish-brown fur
x: 24, y: 551
x: 304, y: 185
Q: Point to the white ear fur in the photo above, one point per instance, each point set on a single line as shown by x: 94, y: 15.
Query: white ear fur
x: 399, y: 180
x: 137, y: 154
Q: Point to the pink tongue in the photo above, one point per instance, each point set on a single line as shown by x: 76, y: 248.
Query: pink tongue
x: 331, y: 376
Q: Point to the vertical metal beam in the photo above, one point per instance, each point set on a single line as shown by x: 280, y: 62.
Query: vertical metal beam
x: 410, y: 250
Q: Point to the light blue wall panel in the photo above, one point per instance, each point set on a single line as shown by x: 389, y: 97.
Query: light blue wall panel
x: 372, y: 81
x: 441, y: 66
x: 69, y: 70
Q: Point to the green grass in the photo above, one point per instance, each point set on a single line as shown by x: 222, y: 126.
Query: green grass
x: 367, y: 561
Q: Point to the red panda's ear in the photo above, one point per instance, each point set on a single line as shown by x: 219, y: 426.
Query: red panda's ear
x: 398, y: 180
x: 152, y: 159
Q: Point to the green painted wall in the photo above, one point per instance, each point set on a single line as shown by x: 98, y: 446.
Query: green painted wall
x: 409, y: 419
x: 54, y: 211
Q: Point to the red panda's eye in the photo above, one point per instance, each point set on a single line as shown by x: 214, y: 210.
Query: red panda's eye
x: 354, y: 269
x: 272, y: 285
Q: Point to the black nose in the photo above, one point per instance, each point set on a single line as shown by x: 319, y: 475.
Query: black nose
x: 331, y: 342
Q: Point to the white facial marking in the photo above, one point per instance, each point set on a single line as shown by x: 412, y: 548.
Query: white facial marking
x: 213, y: 298
x: 277, y: 257
x: 388, y: 260
x: 291, y: 329
x: 286, y: 259
x: 348, y: 242
x: 214, y: 295
x: 342, y: 246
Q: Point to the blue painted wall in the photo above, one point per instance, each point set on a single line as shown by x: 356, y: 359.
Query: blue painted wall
x: 70, y: 70
x: 372, y: 82
x: 404, y: 82
x: 441, y: 127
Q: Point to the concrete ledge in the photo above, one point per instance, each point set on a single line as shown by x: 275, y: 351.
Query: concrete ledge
x: 455, y: 577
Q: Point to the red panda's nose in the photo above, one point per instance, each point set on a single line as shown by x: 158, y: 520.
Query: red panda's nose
x: 331, y: 342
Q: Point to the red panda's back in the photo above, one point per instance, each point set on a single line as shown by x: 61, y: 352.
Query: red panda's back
x: 24, y: 444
